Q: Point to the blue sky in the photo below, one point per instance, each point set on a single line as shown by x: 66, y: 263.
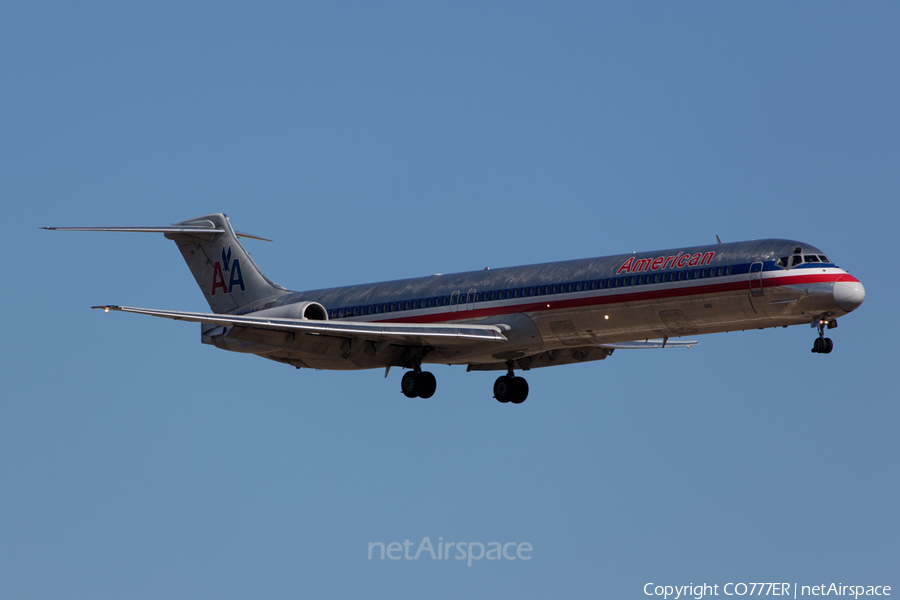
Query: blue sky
x: 381, y: 142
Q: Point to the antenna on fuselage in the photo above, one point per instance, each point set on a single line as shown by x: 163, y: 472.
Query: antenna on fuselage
x: 718, y: 239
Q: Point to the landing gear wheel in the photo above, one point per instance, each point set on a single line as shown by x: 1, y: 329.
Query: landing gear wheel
x: 823, y: 345
x: 503, y: 389
x: 510, y: 389
x: 520, y: 390
x: 428, y: 384
x: 418, y: 385
x: 409, y: 385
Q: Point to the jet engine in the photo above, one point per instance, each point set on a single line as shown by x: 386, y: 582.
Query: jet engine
x: 307, y: 311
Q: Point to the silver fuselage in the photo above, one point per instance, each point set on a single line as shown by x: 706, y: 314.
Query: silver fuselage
x: 545, y: 310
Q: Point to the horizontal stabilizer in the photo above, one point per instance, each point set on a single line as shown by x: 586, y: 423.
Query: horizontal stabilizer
x: 406, y: 333
x: 163, y: 229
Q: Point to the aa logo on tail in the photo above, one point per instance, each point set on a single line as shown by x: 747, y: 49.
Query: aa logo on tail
x: 234, y: 268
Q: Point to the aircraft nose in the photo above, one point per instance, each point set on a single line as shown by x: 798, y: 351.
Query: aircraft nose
x: 849, y: 294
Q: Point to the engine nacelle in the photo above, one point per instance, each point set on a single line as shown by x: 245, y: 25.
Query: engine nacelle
x: 308, y: 311
x: 248, y: 340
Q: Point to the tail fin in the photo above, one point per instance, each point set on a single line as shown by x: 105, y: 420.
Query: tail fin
x: 223, y: 269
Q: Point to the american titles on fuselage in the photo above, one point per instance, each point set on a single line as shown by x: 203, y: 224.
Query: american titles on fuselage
x: 680, y: 261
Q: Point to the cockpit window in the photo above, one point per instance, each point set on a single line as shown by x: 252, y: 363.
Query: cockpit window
x: 823, y: 258
x: 810, y: 258
x: 782, y: 262
x: 796, y: 260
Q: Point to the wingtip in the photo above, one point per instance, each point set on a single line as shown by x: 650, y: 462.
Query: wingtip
x: 106, y: 307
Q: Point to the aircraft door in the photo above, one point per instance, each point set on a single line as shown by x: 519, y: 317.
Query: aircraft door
x: 756, y: 278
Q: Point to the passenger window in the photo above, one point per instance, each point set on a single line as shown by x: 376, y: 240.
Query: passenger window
x: 555, y: 288
x: 657, y: 278
x: 578, y: 287
x: 796, y: 260
x: 810, y: 258
x: 728, y: 270
x: 430, y: 302
x: 633, y: 281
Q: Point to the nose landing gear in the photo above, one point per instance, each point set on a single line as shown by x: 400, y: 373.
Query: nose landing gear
x: 823, y: 345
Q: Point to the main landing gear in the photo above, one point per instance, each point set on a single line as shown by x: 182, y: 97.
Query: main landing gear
x: 823, y: 345
x: 418, y: 384
x: 509, y: 388
x: 422, y: 384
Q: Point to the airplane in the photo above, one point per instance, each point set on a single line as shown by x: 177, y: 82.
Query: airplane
x: 507, y: 319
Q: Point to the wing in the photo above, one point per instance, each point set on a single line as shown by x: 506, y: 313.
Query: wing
x: 400, y: 333
x: 666, y: 343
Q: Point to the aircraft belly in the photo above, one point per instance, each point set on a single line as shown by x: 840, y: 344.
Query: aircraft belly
x: 629, y: 321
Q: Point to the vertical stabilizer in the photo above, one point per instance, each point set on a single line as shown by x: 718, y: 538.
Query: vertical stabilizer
x: 223, y: 269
